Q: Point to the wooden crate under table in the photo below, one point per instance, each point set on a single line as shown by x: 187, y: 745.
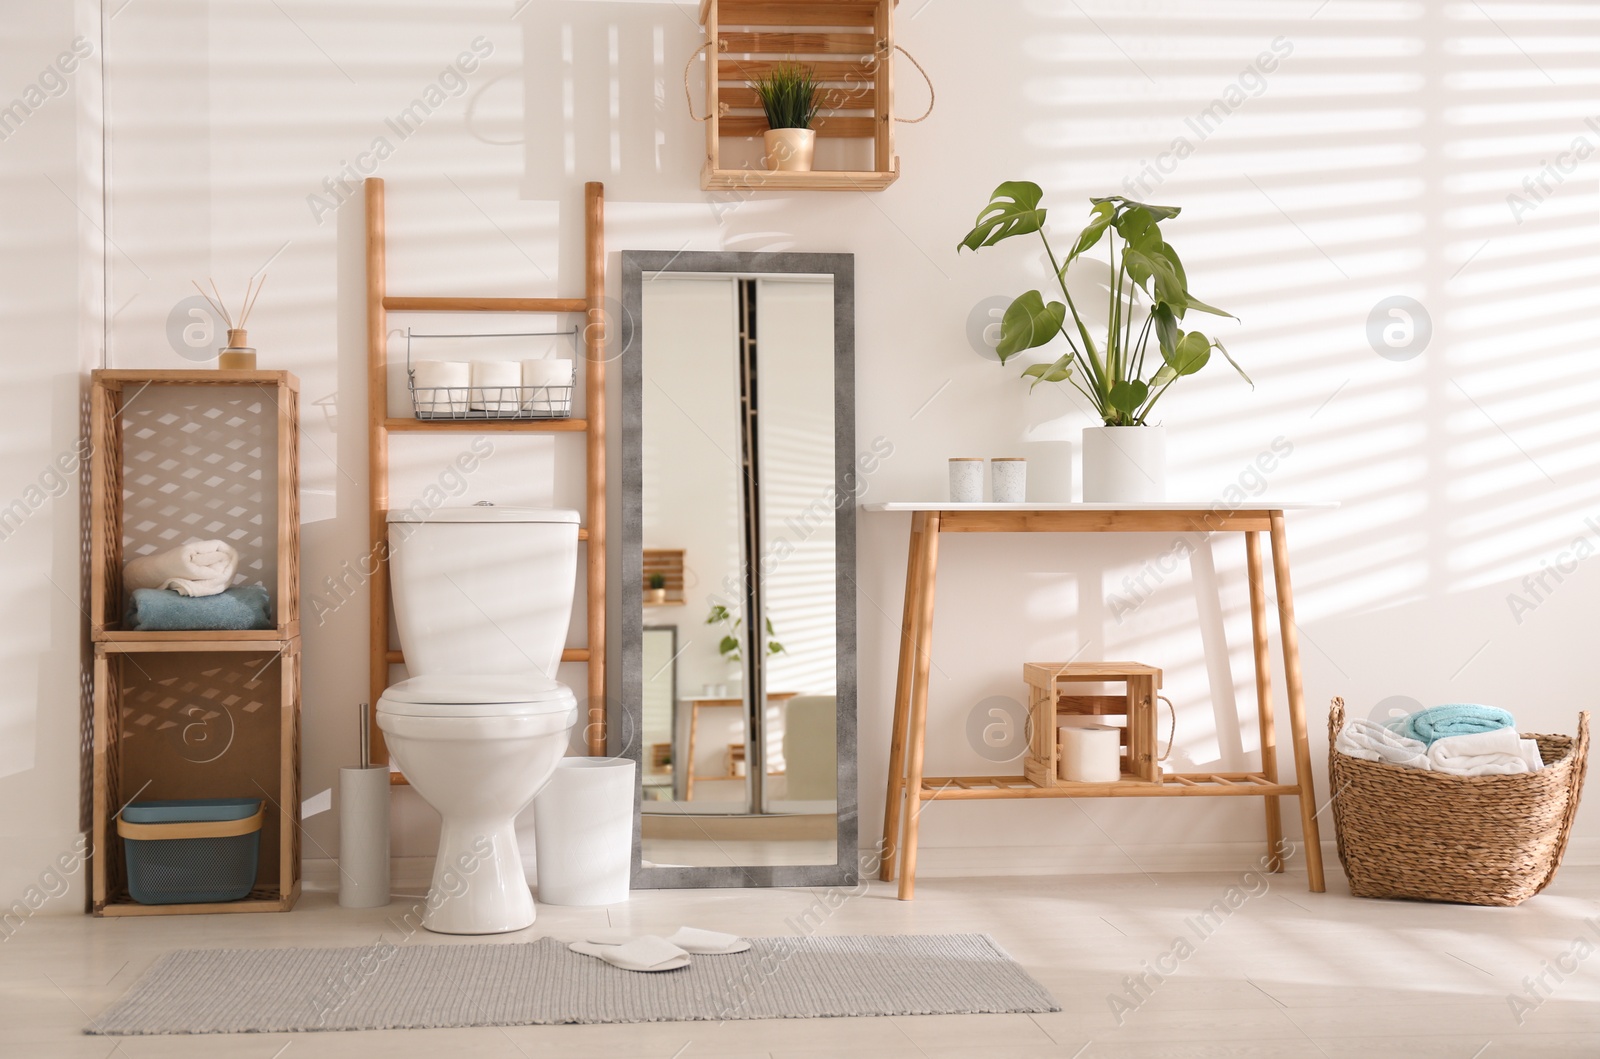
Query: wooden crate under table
x: 1051, y: 694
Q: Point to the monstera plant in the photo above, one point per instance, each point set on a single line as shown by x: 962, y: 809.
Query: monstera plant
x: 1147, y: 298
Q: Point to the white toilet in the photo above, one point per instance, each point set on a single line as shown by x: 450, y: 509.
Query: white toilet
x: 482, y: 598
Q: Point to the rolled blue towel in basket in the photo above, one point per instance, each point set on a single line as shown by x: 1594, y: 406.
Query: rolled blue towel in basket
x: 1457, y: 718
x: 162, y: 610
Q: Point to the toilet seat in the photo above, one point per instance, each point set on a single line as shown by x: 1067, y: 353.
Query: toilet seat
x: 480, y: 695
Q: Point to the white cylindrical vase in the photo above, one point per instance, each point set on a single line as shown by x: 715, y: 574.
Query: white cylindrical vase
x: 1090, y: 753
x: 1124, y: 465
x: 583, y: 831
x: 364, y: 837
x: 966, y: 480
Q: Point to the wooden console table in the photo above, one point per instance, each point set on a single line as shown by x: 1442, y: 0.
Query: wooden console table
x: 909, y: 790
x: 695, y: 703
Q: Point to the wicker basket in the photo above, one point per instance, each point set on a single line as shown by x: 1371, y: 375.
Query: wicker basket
x: 1477, y: 840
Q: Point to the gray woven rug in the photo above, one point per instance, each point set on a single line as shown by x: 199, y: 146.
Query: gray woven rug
x: 427, y: 986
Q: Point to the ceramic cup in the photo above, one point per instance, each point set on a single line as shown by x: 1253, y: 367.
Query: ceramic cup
x: 1010, y: 474
x: 966, y: 480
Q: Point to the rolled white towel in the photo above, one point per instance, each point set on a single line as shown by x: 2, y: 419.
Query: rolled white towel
x: 496, y: 385
x: 1371, y: 741
x: 546, y: 385
x: 1498, y: 753
x: 441, y: 386
x: 199, y: 568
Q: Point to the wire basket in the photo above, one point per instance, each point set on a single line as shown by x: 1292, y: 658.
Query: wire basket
x: 552, y: 401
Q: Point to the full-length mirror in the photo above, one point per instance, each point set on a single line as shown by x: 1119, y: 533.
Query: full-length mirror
x: 738, y: 599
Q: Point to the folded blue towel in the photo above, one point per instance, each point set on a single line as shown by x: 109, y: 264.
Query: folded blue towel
x: 162, y: 610
x: 1457, y: 718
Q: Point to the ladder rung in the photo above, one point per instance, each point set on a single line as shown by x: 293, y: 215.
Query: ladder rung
x: 486, y: 426
x: 486, y: 305
x: 571, y: 654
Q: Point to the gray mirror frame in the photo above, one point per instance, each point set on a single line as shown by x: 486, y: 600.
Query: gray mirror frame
x: 627, y: 708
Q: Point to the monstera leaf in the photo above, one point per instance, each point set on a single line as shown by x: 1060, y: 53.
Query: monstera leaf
x: 1128, y: 395
x: 1103, y: 214
x: 1190, y: 354
x: 1013, y: 209
x: 1029, y: 322
x: 1059, y: 370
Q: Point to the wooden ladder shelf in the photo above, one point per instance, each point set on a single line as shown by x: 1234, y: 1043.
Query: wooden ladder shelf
x: 380, y: 425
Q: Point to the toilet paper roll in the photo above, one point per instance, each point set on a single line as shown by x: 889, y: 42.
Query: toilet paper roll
x: 441, y: 386
x: 547, y: 385
x: 496, y: 385
x: 364, y: 837
x: 1089, y: 753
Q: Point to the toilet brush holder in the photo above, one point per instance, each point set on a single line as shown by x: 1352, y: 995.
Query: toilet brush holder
x: 364, y: 837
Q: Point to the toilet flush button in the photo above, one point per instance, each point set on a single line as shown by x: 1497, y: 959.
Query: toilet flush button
x: 484, y: 503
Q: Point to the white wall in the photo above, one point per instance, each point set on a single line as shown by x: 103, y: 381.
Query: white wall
x: 50, y: 335
x: 1374, y: 159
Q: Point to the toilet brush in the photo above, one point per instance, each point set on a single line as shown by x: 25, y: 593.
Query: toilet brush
x: 364, y: 828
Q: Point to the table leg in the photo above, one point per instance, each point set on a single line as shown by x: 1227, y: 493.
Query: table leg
x: 1263, y: 660
x: 916, y: 729
x: 1297, y: 705
x: 694, y: 728
x: 894, y: 801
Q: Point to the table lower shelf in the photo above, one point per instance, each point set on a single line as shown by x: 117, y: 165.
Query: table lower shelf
x: 1173, y: 785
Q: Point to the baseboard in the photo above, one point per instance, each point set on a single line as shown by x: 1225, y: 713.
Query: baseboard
x: 410, y: 876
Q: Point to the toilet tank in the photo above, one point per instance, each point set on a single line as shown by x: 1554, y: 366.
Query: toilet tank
x: 482, y: 590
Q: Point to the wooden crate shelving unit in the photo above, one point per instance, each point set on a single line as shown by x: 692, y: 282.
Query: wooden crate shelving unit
x: 177, y: 456
x: 381, y: 425
x: 849, y: 45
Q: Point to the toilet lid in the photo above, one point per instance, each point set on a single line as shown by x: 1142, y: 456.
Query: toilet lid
x: 489, y: 695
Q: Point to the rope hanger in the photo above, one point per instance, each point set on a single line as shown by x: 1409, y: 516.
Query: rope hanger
x: 722, y: 108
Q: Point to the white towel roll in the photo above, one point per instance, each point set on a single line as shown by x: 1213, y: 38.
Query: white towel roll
x: 546, y: 385
x: 441, y: 386
x: 198, y: 568
x: 496, y: 385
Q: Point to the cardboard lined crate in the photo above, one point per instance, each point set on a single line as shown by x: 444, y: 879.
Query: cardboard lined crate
x: 1052, y: 693
x: 195, y: 455
x: 209, y: 721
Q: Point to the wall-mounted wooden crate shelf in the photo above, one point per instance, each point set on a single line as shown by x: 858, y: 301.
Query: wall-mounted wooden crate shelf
x: 847, y: 43
x: 180, y: 456
x: 668, y: 562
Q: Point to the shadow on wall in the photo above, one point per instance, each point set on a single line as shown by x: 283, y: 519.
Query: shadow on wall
x: 1398, y: 202
x: 603, y: 96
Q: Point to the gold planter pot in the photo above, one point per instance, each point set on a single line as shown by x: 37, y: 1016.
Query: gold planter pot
x: 790, y: 150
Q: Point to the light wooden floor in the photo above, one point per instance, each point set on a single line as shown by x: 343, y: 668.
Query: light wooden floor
x: 1287, y: 974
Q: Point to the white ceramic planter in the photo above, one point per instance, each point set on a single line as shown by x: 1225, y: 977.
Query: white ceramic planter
x: 790, y: 150
x: 1124, y: 465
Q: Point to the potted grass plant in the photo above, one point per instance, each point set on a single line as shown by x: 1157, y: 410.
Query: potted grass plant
x: 788, y: 94
x: 1125, y: 365
x: 657, y: 592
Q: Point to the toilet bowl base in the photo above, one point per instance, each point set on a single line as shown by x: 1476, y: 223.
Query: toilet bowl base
x: 479, y: 886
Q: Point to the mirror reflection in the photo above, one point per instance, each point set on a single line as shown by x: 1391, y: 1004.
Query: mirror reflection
x: 740, y: 585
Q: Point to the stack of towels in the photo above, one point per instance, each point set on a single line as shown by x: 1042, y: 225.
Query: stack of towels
x: 1460, y: 739
x: 187, y: 588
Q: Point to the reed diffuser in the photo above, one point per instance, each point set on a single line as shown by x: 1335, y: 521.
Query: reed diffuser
x: 237, y: 355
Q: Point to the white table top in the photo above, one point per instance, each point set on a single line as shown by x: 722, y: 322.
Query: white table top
x: 1165, y: 505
